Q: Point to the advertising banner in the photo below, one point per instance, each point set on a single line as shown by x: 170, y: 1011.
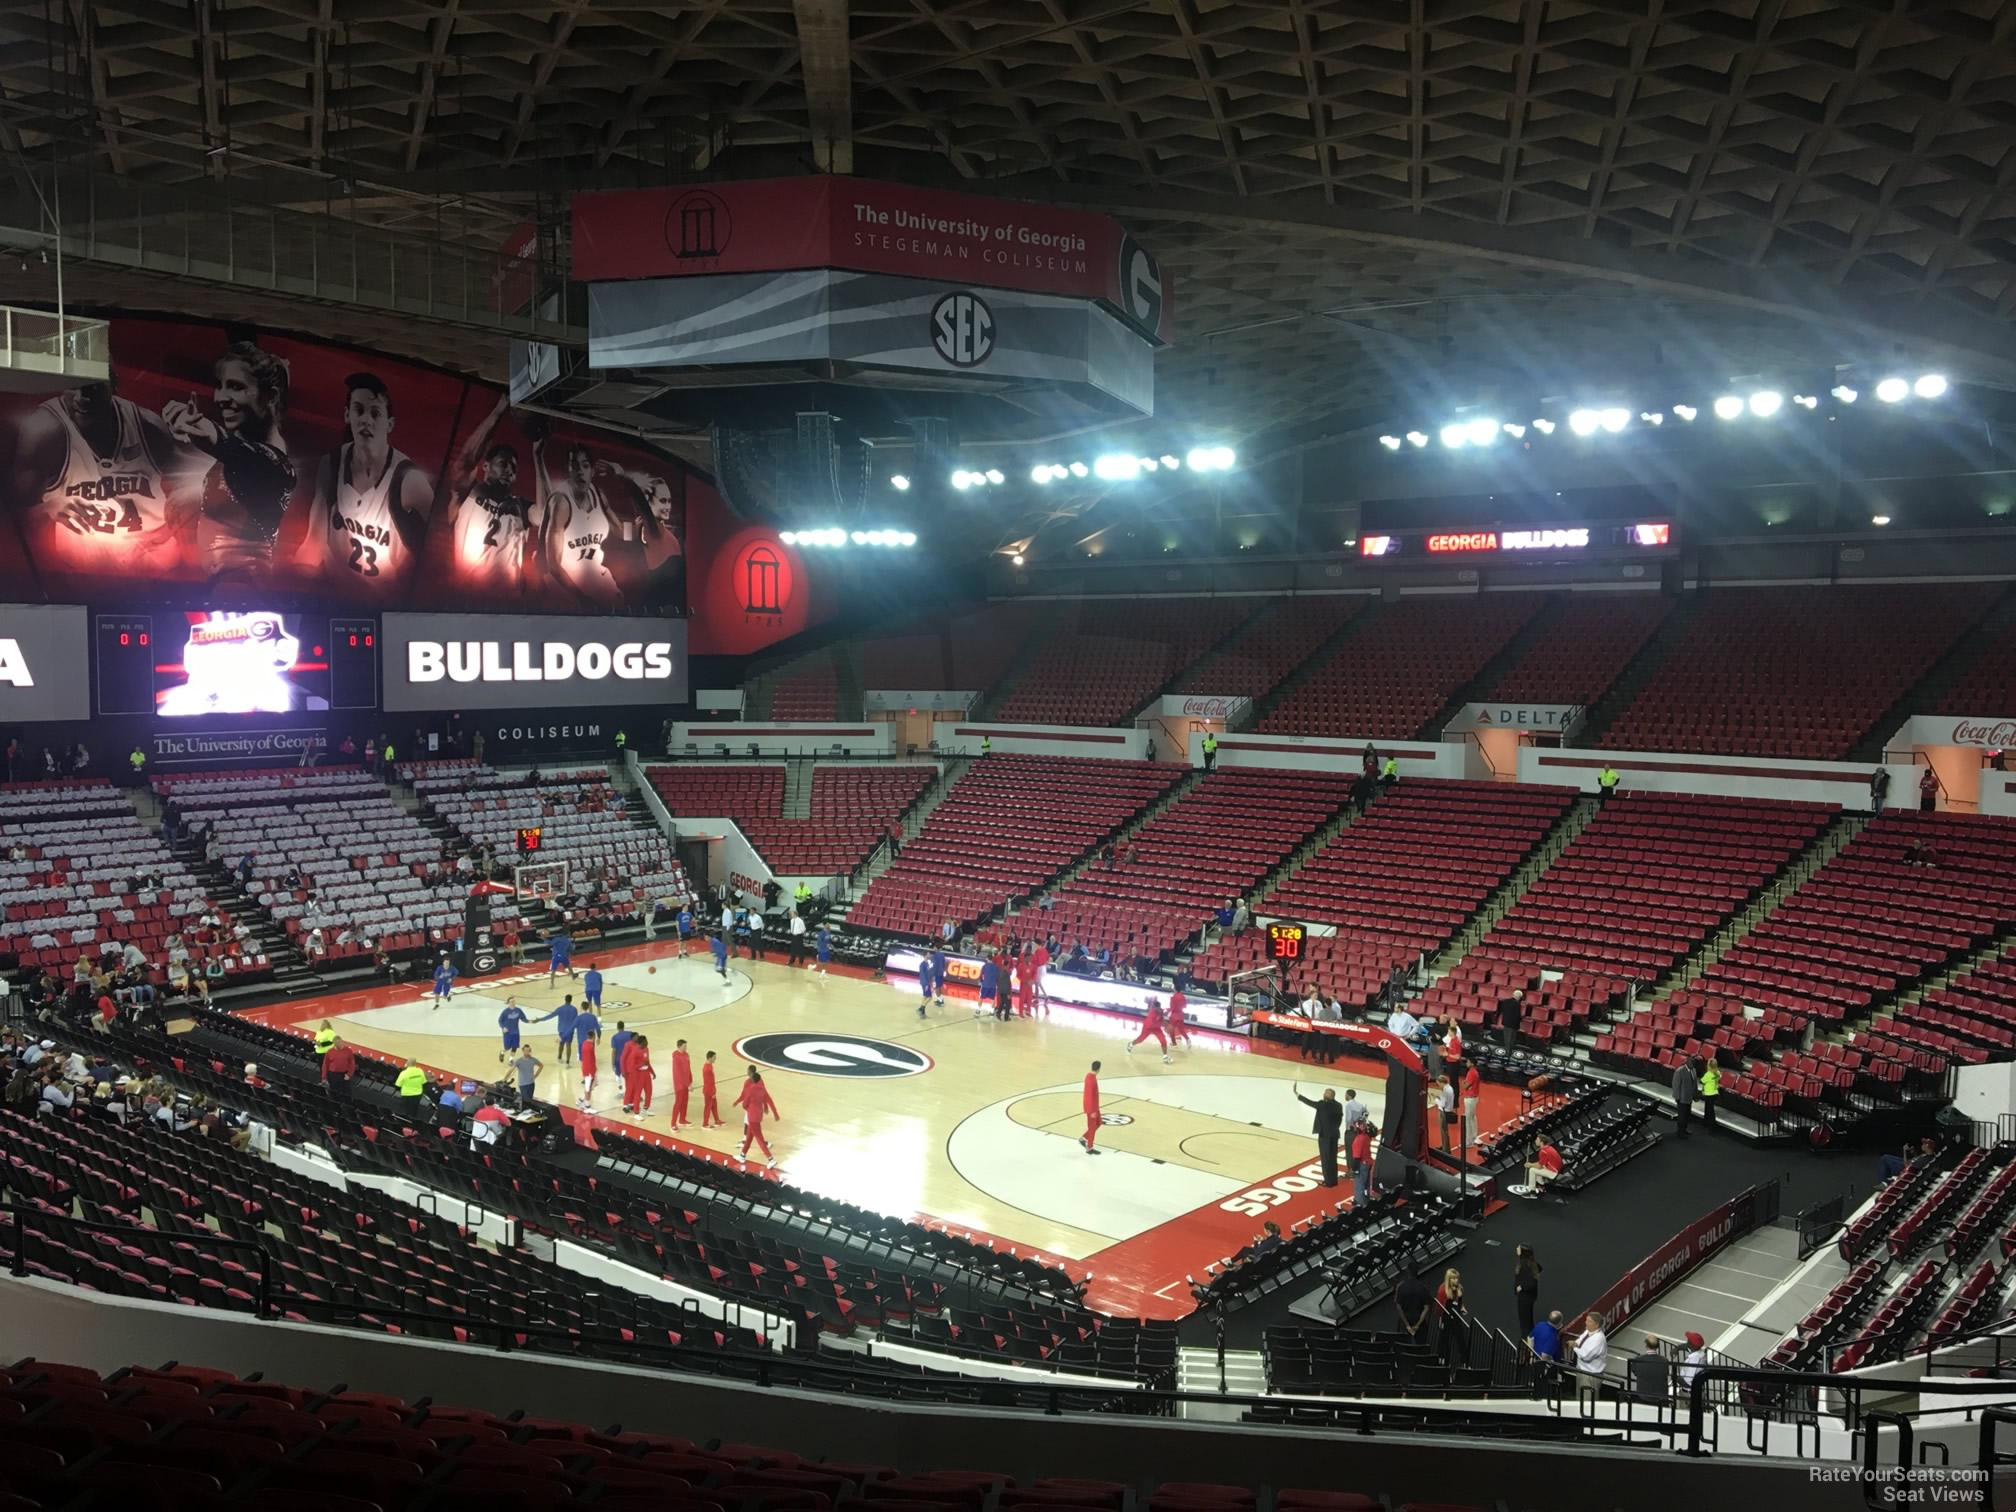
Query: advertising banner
x: 43, y: 673
x: 1224, y: 709
x: 1988, y: 734
x: 896, y: 701
x: 223, y: 748
x: 786, y: 225
x: 522, y: 661
x: 1551, y: 719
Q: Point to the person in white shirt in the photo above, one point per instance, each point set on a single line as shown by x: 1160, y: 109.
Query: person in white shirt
x: 315, y: 941
x: 344, y: 936
x: 178, y: 953
x: 1697, y: 1356
x: 134, y: 957
x: 56, y: 1095
x: 1445, y: 1108
x: 1592, y: 1347
x: 1404, y: 1024
x: 798, y: 938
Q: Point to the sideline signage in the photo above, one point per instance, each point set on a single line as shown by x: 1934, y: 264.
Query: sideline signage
x: 896, y: 701
x: 527, y: 661
x: 1700, y: 1240
x: 1225, y: 709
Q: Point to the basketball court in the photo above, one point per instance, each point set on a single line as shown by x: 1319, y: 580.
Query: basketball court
x: 953, y: 1118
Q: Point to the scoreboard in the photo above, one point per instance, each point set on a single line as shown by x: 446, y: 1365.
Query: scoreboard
x: 234, y: 662
x: 1642, y: 538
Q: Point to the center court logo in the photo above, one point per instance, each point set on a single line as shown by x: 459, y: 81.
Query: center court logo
x: 843, y: 1055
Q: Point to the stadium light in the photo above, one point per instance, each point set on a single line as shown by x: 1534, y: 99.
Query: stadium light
x: 1879, y: 519
x: 1652, y: 417
x: 994, y: 475
x: 1515, y: 431
x: 1686, y: 412
x: 900, y: 483
x: 1016, y: 559
x: 860, y: 538
x: 1210, y: 458
x: 1116, y: 467
x: 1844, y: 393
x: 1455, y: 437
x: 1583, y: 422
x: 1391, y: 443
x: 1806, y: 401
x: 1544, y: 426
x: 1728, y: 407
x: 1613, y: 419
x: 788, y: 537
x: 1416, y: 438
x: 1173, y: 463
x: 1766, y: 402
x: 1930, y: 386
x: 1482, y: 432
x: 963, y: 480
x: 1892, y: 390
x: 1040, y: 473
x: 1080, y: 470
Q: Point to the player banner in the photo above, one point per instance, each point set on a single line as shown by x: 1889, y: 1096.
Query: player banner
x: 860, y: 225
x: 244, y: 468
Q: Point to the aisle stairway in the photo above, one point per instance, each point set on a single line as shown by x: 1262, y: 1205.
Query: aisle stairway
x: 1637, y: 673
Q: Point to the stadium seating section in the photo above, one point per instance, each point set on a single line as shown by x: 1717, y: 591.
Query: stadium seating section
x: 1212, y: 844
x: 188, y: 1435
x: 1584, y: 642
x: 1390, y: 676
x: 364, y: 862
x: 1271, y: 645
x: 1793, y: 672
x: 1985, y: 686
x: 581, y: 820
x: 1005, y: 830
x: 809, y: 692
x: 1120, y: 654
x: 851, y: 809
x: 77, y: 875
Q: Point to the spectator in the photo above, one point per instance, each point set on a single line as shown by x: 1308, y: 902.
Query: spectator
x: 1879, y: 789
x: 1414, y: 1302
x: 1651, y: 1377
x: 1328, y: 1124
x: 1268, y: 1242
x: 1685, y: 1084
x: 339, y: 1065
x: 1510, y: 1008
x: 1473, y: 1095
x: 1404, y: 1024
x: 1887, y: 1167
x: 1591, y: 1348
x: 1455, y: 1316
x: 1545, y: 1339
x: 1242, y: 916
x: 1444, y: 1094
x: 1525, y: 1286
x: 1928, y: 791
x: 1697, y: 1356
x: 1606, y: 783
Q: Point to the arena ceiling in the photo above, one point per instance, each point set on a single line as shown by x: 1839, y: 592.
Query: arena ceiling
x: 1372, y: 208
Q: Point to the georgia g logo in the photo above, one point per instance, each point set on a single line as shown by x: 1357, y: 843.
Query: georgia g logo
x: 844, y: 1055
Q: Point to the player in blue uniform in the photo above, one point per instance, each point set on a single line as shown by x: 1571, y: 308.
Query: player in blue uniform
x: 567, y: 1018
x: 685, y: 927
x: 990, y: 988
x: 508, y: 1021
x: 591, y: 986
x: 444, y: 980
x: 938, y: 977
x: 924, y: 980
x: 825, y: 949
x: 559, y: 955
x: 618, y: 1043
x: 718, y: 943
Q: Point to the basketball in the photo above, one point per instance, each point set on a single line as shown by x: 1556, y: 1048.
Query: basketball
x: 652, y: 970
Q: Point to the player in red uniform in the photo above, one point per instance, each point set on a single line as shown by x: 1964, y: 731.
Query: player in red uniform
x: 586, y: 1046
x: 1153, y: 1027
x: 637, y: 1076
x: 1179, y: 1026
x: 710, y: 1110
x: 1091, y: 1104
x: 682, y: 1084
x: 1042, y: 960
x: 756, y: 1104
x: 1025, y: 983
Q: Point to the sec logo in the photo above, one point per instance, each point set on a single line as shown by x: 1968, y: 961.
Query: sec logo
x: 844, y: 1055
x: 1115, y: 1120
x: 962, y: 329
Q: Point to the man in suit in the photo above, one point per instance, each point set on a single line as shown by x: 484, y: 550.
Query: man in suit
x: 1329, y: 1124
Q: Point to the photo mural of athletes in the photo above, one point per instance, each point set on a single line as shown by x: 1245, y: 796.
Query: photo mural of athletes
x: 562, y: 517
x: 245, y: 468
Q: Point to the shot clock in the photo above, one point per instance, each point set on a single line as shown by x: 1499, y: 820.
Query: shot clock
x: 1285, y: 940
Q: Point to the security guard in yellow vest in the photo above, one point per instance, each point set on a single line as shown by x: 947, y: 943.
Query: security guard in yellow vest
x: 1389, y: 771
x: 1711, y: 1090
x: 411, y: 1082
x: 801, y: 896
x: 138, y: 761
x: 622, y: 740
x: 325, y: 1040
x: 1210, y: 752
x: 986, y: 745
x: 1606, y: 781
